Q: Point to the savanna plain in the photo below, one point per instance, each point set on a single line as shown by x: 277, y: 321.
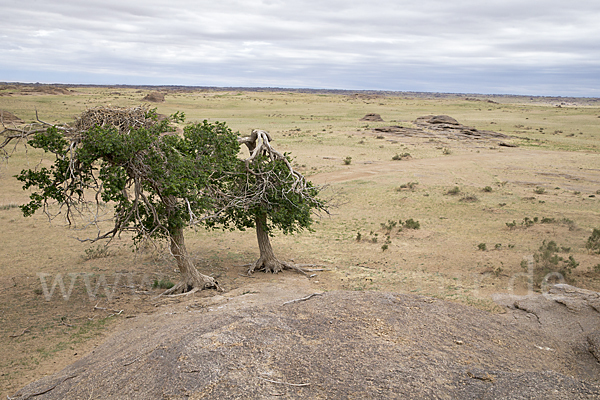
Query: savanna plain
x: 455, y: 217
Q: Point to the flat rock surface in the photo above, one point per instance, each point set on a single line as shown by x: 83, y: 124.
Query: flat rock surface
x: 442, y: 126
x: 257, y: 344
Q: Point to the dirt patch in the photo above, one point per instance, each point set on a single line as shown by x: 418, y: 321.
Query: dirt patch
x: 258, y: 342
x: 155, y: 97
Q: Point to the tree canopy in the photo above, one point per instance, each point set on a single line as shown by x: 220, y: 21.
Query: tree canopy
x: 160, y: 181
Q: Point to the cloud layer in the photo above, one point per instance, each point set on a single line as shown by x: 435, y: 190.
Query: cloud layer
x: 523, y: 47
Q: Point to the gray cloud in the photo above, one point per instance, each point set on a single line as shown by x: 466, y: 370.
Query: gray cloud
x: 527, y: 47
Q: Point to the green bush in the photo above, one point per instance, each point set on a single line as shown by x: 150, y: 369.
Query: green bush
x: 162, y: 284
x: 593, y: 242
x: 547, y: 260
x: 411, y: 224
x: 454, y: 191
x: 402, y: 156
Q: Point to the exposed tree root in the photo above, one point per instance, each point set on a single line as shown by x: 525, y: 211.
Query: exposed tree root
x: 185, y: 288
x: 275, y: 266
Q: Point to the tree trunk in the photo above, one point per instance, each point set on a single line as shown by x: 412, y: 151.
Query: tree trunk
x: 267, y: 261
x: 190, y: 277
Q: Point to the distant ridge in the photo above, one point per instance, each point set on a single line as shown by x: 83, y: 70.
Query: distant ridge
x: 467, y: 96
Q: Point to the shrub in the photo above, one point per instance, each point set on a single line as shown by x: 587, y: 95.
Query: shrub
x: 539, y: 190
x: 547, y: 260
x: 101, y: 251
x: 593, y: 242
x: 411, y: 224
x: 454, y: 191
x: 409, y: 185
x: 348, y: 160
x: 162, y: 284
x: 402, y: 156
x: 469, y: 199
x: 389, y: 225
x: 487, y: 189
x: 511, y: 225
x: 482, y: 246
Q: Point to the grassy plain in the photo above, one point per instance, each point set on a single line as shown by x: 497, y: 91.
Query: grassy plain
x: 552, y: 176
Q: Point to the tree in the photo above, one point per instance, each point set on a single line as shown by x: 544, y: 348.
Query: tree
x: 159, y: 182
x: 269, y: 194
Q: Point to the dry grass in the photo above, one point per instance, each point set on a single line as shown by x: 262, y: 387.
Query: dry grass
x: 558, y: 153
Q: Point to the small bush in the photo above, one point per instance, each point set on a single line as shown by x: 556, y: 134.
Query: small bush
x: 162, y: 284
x: 547, y: 260
x: 100, y: 251
x: 511, y: 225
x: 539, y: 190
x: 527, y: 222
x: 411, y: 224
x: 409, y: 185
x: 358, y: 237
x: 482, y: 246
x: 389, y: 225
x: 454, y: 191
x: 402, y: 156
x: 446, y: 151
x: 593, y: 242
x: 487, y: 189
x: 348, y: 160
x: 469, y: 199
x: 596, y: 268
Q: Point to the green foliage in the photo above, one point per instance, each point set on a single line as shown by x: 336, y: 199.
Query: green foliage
x: 547, y: 260
x: 511, y: 225
x: 593, y: 242
x: 389, y: 225
x: 469, y: 199
x: 454, y: 191
x: 487, y: 189
x: 270, y: 192
x: 358, y: 237
x: 101, y: 251
x: 408, y: 185
x: 539, y: 190
x: 156, y: 180
x: 402, y: 156
x: 410, y: 224
x: 162, y: 284
x: 482, y: 246
x: 348, y: 160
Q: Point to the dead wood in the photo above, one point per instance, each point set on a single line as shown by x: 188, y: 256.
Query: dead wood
x: 26, y: 330
x: 302, y: 299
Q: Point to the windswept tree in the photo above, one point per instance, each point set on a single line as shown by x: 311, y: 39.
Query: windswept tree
x: 159, y: 182
x: 268, y: 194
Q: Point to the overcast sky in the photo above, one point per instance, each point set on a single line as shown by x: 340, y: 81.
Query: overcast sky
x: 533, y: 47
